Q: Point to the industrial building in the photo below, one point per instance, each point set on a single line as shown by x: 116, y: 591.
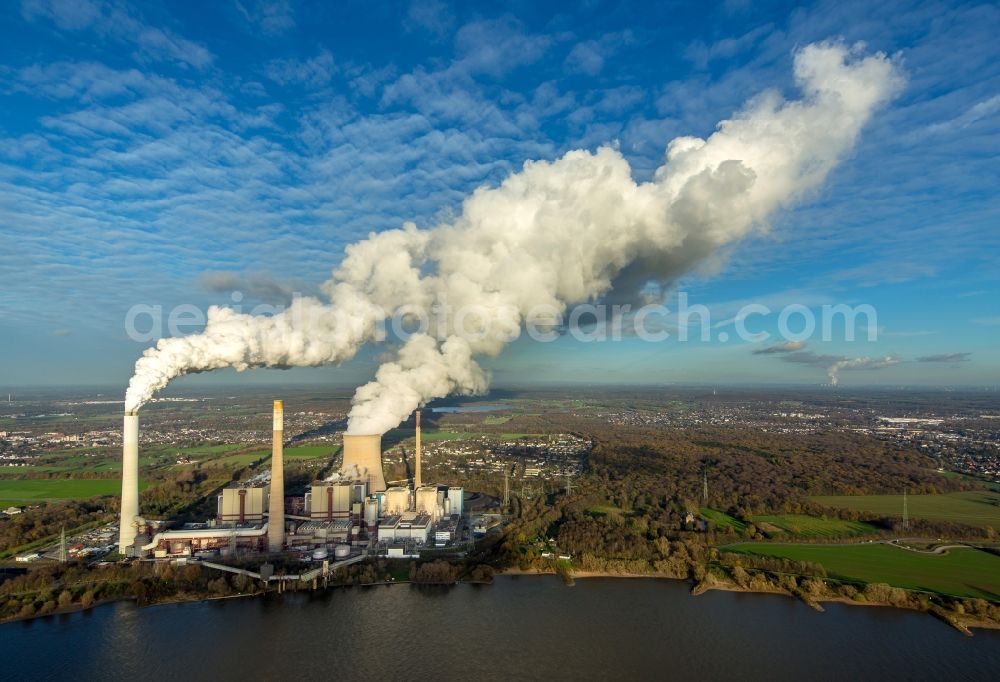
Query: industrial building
x: 336, y: 499
x: 325, y: 532
x: 203, y: 539
x: 242, y: 504
x: 409, y: 526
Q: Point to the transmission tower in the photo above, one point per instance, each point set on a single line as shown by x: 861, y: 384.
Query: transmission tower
x: 704, y: 487
x: 569, y: 485
x: 906, y: 514
x: 506, y: 488
x: 63, y: 554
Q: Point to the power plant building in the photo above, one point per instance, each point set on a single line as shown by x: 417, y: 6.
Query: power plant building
x: 396, y: 528
x: 456, y: 501
x: 427, y: 502
x: 397, y: 500
x: 196, y: 539
x: 242, y: 504
x: 337, y: 499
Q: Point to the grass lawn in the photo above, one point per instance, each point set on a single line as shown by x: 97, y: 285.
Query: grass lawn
x: 311, y: 451
x: 498, y: 419
x: 963, y: 572
x: 9, y: 470
x: 297, y: 452
x: 603, y: 510
x: 20, y: 492
x: 430, y: 436
x: 721, y: 519
x: 237, y: 460
x: 210, y: 449
x: 971, y: 508
x: 811, y: 526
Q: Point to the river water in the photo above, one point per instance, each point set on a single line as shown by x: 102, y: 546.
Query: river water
x: 523, y: 627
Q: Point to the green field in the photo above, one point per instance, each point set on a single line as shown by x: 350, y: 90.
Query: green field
x: 19, y: 492
x: 603, y: 510
x: 963, y: 572
x: 430, y: 436
x: 311, y: 451
x: 971, y: 508
x: 811, y: 526
x: 297, y: 452
x: 721, y: 519
x: 210, y: 449
x: 241, y: 460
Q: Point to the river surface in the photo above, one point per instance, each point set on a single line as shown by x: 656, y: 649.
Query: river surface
x: 519, y: 628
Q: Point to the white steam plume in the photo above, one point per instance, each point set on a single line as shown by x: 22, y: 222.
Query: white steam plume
x: 551, y: 236
x: 859, y: 363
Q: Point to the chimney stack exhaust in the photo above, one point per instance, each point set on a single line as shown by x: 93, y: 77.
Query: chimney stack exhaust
x: 276, y: 497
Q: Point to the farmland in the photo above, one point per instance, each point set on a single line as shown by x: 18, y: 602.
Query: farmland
x: 721, y: 519
x: 971, y: 508
x: 962, y: 572
x: 19, y: 492
x: 811, y: 526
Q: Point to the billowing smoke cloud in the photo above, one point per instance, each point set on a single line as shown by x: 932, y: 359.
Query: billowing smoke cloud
x: 784, y: 347
x: 554, y: 235
x: 835, y: 363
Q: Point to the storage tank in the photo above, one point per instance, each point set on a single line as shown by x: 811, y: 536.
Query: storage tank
x: 341, y: 552
x: 320, y: 553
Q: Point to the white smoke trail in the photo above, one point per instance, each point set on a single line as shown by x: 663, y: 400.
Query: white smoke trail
x: 551, y: 236
x: 859, y: 363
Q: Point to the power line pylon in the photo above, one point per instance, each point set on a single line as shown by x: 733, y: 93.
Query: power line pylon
x: 506, y: 489
x: 63, y: 554
x: 906, y: 514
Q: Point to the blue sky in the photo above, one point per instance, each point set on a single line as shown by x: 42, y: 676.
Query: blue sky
x: 163, y: 154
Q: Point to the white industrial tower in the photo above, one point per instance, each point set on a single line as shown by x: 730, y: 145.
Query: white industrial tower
x: 276, y: 506
x: 128, y: 525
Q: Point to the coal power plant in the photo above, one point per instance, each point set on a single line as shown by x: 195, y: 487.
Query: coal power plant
x: 349, y: 515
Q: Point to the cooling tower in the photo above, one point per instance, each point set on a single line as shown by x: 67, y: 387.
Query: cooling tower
x: 365, y: 453
x: 416, y: 476
x: 276, y: 505
x: 130, y: 483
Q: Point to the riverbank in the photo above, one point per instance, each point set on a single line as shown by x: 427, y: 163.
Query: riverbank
x: 961, y: 622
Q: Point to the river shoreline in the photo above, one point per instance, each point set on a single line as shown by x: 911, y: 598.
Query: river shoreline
x: 962, y: 622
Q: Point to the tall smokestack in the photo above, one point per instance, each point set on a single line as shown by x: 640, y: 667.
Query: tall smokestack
x: 276, y: 506
x: 364, y: 452
x: 130, y: 483
x: 416, y: 478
